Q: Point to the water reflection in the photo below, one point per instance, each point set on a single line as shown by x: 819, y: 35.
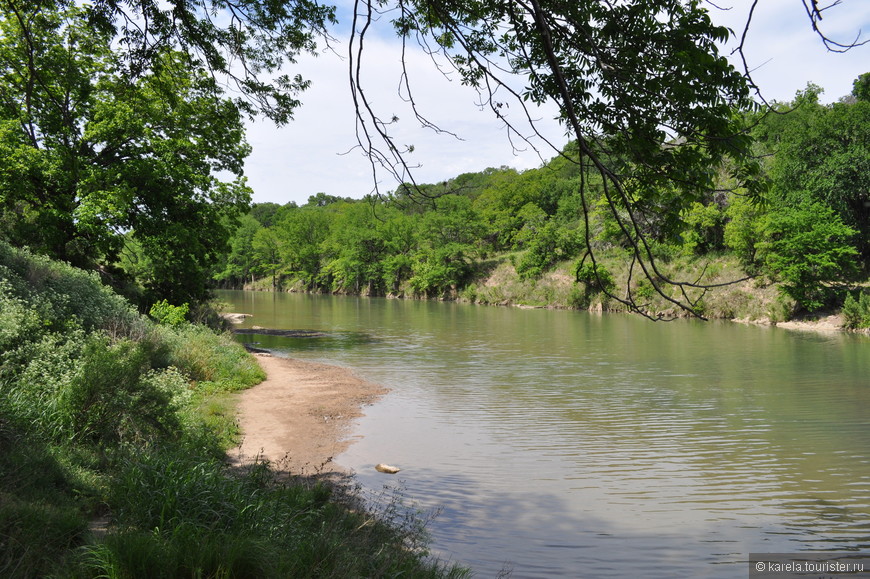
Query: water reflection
x: 572, y: 444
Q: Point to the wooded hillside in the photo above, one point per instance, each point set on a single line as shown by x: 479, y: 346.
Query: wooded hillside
x: 809, y: 233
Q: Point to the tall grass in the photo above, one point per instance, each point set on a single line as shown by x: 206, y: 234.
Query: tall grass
x: 184, y: 516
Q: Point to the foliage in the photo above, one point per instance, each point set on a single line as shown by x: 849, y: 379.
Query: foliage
x: 705, y: 229
x: 822, y: 154
x: 808, y: 249
x: 796, y: 239
x: 164, y: 313
x: 302, y: 231
x: 742, y: 230
x: 90, y: 153
x: 597, y: 277
x: 549, y: 245
x: 654, y: 109
x: 861, y: 87
x: 264, y: 36
x: 596, y: 280
x: 267, y: 249
x: 441, y: 270
x: 239, y: 265
x: 59, y: 294
x: 856, y: 312
x: 109, y: 399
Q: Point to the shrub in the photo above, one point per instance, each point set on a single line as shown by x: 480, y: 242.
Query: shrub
x: 856, y: 312
x: 164, y: 313
x: 109, y: 399
x: 550, y: 245
x: 596, y: 277
x: 705, y: 231
x: 204, y: 356
x: 644, y: 290
x: 439, y: 270
x: 743, y: 230
x: 807, y: 248
x: 60, y: 292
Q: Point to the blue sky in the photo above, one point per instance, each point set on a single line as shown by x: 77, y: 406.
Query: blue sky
x: 314, y: 153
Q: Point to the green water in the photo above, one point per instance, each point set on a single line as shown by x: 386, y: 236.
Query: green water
x: 567, y: 444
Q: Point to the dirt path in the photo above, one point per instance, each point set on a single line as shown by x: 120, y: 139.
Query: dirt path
x: 300, y: 417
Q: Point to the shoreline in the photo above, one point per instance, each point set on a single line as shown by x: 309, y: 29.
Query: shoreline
x: 301, y: 416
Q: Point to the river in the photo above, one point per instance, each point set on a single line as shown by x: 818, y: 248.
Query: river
x: 560, y: 443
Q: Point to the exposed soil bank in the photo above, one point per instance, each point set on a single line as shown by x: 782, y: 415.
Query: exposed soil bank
x: 301, y: 416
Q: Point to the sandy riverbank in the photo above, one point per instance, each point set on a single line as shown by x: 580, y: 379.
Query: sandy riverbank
x: 301, y: 416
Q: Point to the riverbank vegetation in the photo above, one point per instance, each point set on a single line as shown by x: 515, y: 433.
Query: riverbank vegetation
x: 504, y: 237
x: 113, y: 434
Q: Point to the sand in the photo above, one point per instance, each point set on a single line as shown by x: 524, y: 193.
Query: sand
x: 301, y: 417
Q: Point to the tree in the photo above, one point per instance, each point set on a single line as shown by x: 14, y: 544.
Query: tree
x: 303, y: 230
x: 355, y: 248
x: 90, y: 154
x: 808, y: 249
x: 244, y: 43
x: 822, y: 153
x: 267, y: 247
x: 241, y: 262
x: 861, y: 87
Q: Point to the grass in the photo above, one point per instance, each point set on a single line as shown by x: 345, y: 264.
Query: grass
x: 748, y: 299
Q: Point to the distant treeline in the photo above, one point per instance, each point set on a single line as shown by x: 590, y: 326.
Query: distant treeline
x: 810, y: 233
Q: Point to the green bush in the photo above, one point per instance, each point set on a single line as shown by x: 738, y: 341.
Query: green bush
x: 110, y: 401
x: 550, y: 245
x: 644, y: 290
x: 60, y: 293
x: 596, y: 278
x: 743, y: 230
x: 856, y: 312
x: 164, y: 313
x: 35, y: 375
x: 808, y: 249
x: 205, y: 356
x: 440, y: 270
x: 704, y: 229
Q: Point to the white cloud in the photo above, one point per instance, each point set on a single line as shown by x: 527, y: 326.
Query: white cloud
x: 785, y: 53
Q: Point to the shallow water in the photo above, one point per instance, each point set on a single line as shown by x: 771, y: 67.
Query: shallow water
x: 568, y: 444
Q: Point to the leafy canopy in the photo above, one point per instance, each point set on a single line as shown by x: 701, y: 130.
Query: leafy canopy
x: 90, y: 154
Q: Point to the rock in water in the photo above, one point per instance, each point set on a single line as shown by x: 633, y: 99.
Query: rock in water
x: 387, y: 468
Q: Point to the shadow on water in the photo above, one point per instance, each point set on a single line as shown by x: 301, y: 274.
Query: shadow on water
x: 585, y: 542
x: 302, y: 340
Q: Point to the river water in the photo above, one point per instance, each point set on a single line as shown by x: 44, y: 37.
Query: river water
x: 558, y: 443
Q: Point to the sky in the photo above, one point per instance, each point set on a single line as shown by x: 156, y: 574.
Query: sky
x: 316, y: 151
